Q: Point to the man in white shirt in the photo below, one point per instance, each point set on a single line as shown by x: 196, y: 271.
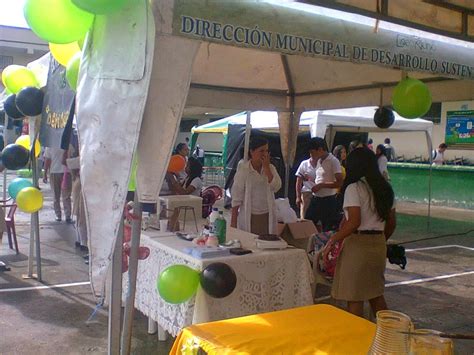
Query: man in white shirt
x: 305, y: 177
x: 54, y: 165
x: 438, y: 154
x: 389, y: 150
x: 199, y: 153
x: 323, y: 207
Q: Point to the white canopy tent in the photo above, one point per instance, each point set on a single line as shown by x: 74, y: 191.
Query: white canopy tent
x: 327, y: 123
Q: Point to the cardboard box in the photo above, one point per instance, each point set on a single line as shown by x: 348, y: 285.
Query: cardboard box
x: 297, y: 233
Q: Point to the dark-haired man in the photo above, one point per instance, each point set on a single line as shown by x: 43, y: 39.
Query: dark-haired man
x: 438, y: 154
x: 323, y: 206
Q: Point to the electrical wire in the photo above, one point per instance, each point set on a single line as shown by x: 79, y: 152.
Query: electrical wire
x: 437, y: 237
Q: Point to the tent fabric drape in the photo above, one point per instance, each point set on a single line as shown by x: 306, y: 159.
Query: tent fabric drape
x: 109, y: 115
x: 169, y: 86
x: 289, y: 125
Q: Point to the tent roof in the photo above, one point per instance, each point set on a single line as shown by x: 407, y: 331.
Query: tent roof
x: 360, y: 119
x: 266, y: 120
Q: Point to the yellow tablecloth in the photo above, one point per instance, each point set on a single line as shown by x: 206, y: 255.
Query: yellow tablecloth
x: 318, y: 329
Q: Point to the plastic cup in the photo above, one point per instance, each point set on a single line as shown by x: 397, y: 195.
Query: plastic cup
x: 163, y: 225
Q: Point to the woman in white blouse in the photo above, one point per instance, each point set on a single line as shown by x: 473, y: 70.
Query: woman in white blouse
x: 369, y: 222
x: 253, y: 191
x: 192, y: 185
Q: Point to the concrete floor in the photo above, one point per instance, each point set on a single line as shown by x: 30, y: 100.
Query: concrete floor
x: 55, y: 321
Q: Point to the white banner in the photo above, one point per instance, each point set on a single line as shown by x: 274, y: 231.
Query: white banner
x: 301, y: 29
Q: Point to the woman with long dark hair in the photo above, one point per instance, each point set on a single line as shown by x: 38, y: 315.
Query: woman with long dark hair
x: 193, y: 183
x: 253, y: 191
x: 382, y: 161
x: 370, y: 221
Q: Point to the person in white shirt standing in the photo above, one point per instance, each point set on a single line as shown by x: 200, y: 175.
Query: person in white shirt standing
x: 438, y: 154
x: 305, y: 177
x: 323, y: 206
x: 370, y: 220
x: 54, y: 164
x: 253, y: 191
x: 382, y: 161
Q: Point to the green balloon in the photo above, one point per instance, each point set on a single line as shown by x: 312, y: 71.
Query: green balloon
x: 57, y: 21
x: 72, y: 70
x: 411, y: 98
x: 177, y: 283
x: 100, y: 7
x: 19, y: 77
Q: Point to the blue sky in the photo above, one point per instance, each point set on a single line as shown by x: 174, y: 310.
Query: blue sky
x: 11, y: 13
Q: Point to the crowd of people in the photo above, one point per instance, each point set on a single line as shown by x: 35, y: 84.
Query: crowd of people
x: 346, y: 193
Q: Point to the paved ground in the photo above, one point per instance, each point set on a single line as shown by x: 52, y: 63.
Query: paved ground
x: 55, y: 321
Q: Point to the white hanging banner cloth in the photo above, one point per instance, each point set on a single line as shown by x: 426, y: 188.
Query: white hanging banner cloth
x: 112, y: 91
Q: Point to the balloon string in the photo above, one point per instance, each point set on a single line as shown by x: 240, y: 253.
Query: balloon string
x: 96, y: 309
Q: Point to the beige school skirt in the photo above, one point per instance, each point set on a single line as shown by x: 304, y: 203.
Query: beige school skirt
x: 360, y: 268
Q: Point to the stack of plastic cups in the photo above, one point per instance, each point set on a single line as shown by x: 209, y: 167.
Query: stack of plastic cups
x: 389, y: 336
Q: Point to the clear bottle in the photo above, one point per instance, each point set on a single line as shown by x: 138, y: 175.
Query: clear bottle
x: 212, y: 219
x: 220, y: 227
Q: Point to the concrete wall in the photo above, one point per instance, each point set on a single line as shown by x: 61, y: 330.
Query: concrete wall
x: 210, y: 142
x: 414, y: 144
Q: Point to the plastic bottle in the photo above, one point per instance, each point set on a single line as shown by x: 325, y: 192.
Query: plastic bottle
x: 212, y: 220
x: 220, y: 227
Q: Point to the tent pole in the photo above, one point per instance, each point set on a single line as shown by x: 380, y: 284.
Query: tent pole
x: 35, y: 220
x: 430, y: 159
x: 5, y: 142
x: 34, y: 227
x: 115, y: 297
x: 247, y: 135
x: 429, y: 198
x: 289, y: 145
x: 126, y: 338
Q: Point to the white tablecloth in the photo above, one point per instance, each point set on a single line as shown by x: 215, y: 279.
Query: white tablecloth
x: 266, y: 281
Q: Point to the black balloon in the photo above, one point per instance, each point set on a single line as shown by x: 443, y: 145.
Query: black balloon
x: 15, y: 157
x: 218, y: 280
x: 384, y: 117
x: 29, y: 101
x: 10, y: 107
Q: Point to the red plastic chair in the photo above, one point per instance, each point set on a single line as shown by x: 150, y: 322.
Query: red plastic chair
x: 10, y: 225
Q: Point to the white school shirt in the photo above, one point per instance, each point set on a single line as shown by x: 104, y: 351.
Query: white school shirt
x: 382, y: 162
x: 359, y: 194
x: 326, y: 171
x: 197, y: 183
x: 56, y: 156
x: 252, y: 192
x: 439, y: 157
x: 306, y: 168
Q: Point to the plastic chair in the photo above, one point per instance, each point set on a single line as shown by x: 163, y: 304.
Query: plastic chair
x: 313, y: 255
x: 185, y: 209
x: 10, y: 225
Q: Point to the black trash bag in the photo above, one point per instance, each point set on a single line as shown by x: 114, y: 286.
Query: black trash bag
x: 396, y: 255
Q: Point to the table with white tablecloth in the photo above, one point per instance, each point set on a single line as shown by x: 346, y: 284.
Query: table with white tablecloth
x: 267, y: 281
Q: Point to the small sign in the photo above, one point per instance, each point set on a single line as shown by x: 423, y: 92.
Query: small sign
x: 460, y: 127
